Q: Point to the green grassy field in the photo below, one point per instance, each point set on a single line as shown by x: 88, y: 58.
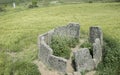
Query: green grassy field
x: 19, y: 28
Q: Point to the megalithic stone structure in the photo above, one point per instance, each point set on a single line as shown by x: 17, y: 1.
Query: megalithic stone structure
x: 46, y: 52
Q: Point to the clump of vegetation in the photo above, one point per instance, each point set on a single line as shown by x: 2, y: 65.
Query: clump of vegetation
x: 90, y: 1
x: 24, y: 68
x: 83, y: 72
x: 34, y: 4
x: 66, y: 74
x: 111, y: 58
x: 88, y: 45
x: 72, y: 42
x: 3, y: 62
x: 2, y: 9
x: 61, y: 46
x: 8, y: 66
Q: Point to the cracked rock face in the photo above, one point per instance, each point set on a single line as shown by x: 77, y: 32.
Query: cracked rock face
x: 83, y: 60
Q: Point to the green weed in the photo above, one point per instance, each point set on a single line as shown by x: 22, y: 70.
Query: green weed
x: 24, y: 68
x: 10, y: 66
x: 111, y: 58
x: 60, y: 47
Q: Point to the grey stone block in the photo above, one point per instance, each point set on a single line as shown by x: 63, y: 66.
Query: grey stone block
x: 44, y: 52
x: 97, y: 51
x: 71, y: 30
x: 95, y: 32
x: 44, y: 49
x: 46, y: 37
x: 83, y: 60
x: 58, y: 63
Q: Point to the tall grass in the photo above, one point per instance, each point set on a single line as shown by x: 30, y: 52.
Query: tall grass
x: 61, y: 45
x: 111, y: 59
x: 12, y: 66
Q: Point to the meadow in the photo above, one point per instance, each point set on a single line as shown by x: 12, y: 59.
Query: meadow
x: 19, y: 27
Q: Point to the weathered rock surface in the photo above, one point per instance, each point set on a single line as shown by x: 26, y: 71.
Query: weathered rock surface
x: 69, y: 74
x: 58, y: 63
x: 46, y: 37
x: 71, y: 30
x: 95, y: 32
x: 76, y: 73
x: 83, y: 60
x: 45, y: 52
x: 97, y: 51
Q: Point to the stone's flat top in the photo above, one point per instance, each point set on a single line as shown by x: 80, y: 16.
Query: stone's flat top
x: 95, y: 27
x: 73, y: 23
x: 60, y: 58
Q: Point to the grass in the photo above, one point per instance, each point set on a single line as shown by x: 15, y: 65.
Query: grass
x: 16, y: 67
x: 61, y: 45
x: 19, y: 28
x: 111, y: 58
x: 23, y: 68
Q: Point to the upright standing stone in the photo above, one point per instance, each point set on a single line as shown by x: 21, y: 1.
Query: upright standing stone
x: 97, y: 52
x: 95, y: 32
x: 83, y: 60
x: 45, y: 51
x: 72, y: 30
x: 58, y: 63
